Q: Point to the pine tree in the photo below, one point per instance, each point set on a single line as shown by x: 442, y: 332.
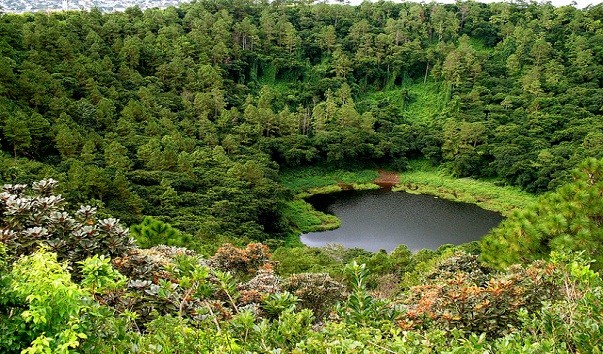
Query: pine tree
x: 152, y: 232
x: 569, y: 219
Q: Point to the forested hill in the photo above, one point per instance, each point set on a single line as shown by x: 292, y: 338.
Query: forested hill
x: 187, y: 124
x: 187, y: 113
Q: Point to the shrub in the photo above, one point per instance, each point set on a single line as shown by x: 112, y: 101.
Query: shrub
x: 571, y: 322
x: 263, y: 284
x: 360, y: 307
x: 98, y: 276
x: 46, y: 307
x: 468, y: 264
x: 30, y: 218
x: 152, y: 232
x: 316, y: 291
x: 153, y: 288
x: 276, y: 304
x: 463, y: 300
x: 243, y: 263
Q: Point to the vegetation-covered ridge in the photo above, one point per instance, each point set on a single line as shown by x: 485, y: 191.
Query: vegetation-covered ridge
x: 180, y: 122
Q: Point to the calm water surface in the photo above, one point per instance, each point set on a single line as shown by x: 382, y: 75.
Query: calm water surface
x: 375, y: 220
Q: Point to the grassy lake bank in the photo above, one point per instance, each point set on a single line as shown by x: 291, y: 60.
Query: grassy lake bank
x: 420, y: 179
x: 487, y: 194
x: 315, y: 180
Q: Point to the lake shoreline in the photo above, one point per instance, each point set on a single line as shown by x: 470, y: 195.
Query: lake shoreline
x: 485, y: 194
x: 382, y: 220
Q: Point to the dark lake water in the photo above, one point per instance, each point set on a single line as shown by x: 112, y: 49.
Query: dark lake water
x: 381, y: 219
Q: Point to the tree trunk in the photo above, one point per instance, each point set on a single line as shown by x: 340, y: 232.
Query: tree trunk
x: 426, y: 72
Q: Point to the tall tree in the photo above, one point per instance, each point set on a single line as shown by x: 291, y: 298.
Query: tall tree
x: 17, y: 133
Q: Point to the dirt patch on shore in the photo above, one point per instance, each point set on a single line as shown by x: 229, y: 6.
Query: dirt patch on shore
x: 387, y: 179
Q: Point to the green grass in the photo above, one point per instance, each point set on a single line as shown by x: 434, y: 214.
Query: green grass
x: 306, y: 219
x: 320, y: 180
x: 308, y: 181
x: 425, y: 179
x: 427, y: 99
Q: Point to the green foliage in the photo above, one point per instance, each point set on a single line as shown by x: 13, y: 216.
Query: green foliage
x: 17, y: 133
x: 168, y: 335
x: 146, y: 83
x: 152, y: 232
x: 278, y: 303
x: 47, y: 306
x: 98, y: 275
x: 146, y: 130
x: 292, y: 260
x: 3, y: 257
x: 568, y: 219
x: 163, y: 280
x: 420, y: 102
x: 571, y: 323
x: 460, y: 305
x: 187, y: 113
x: 360, y: 307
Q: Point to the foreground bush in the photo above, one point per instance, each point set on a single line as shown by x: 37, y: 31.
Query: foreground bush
x: 36, y: 216
x: 458, y: 302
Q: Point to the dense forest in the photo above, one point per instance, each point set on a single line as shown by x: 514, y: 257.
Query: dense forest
x: 145, y: 150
